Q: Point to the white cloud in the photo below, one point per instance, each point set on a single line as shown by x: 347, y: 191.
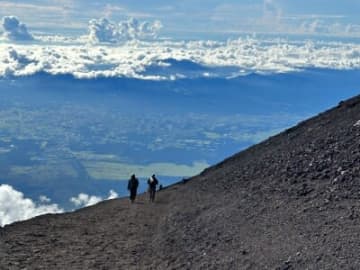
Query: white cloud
x: 15, y: 207
x: 103, y: 30
x: 15, y: 30
x: 44, y: 199
x: 132, y: 58
x: 320, y: 25
x: 84, y: 200
x: 352, y: 29
x: 112, y: 195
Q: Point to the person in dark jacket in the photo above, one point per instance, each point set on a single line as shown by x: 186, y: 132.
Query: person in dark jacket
x: 152, y: 182
x: 132, y: 187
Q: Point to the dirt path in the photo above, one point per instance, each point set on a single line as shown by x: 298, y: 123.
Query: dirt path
x: 112, y: 235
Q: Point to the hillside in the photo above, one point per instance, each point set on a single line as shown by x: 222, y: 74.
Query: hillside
x: 290, y: 202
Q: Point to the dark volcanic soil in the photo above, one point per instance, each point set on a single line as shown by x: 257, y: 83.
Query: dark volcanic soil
x: 291, y: 202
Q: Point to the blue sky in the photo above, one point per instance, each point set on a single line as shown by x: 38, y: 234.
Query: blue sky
x: 315, y: 17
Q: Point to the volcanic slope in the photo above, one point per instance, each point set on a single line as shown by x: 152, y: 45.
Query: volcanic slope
x: 290, y: 202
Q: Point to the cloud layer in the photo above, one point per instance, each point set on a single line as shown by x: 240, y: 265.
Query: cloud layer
x: 15, y: 30
x: 84, y: 200
x: 134, y: 59
x: 103, y: 30
x: 14, y: 206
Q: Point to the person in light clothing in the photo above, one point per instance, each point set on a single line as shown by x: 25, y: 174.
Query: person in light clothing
x: 152, y: 182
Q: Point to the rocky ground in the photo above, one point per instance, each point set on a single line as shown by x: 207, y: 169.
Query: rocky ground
x: 291, y: 202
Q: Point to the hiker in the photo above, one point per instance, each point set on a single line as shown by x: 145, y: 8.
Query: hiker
x: 132, y: 187
x: 152, y: 182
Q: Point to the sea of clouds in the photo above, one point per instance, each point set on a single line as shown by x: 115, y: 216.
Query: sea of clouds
x: 130, y: 48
